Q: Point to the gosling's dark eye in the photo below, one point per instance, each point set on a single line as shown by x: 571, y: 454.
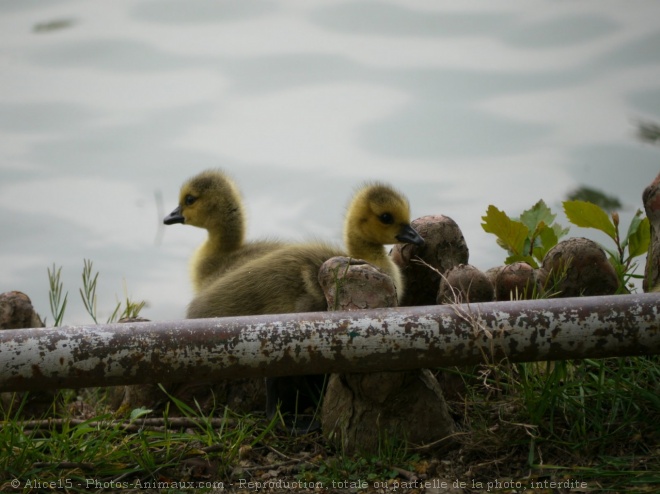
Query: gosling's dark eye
x: 386, y: 218
x: 189, y: 200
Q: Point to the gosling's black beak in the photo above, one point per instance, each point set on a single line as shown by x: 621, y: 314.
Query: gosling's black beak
x: 174, y: 217
x: 409, y: 235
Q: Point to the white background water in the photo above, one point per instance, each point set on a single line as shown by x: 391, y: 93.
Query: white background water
x: 106, y: 107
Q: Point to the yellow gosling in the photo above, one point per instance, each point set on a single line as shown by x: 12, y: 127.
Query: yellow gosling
x: 211, y: 200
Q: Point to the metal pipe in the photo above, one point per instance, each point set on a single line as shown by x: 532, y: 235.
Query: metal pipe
x: 314, y: 343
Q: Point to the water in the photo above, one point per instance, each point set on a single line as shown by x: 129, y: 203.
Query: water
x: 106, y: 107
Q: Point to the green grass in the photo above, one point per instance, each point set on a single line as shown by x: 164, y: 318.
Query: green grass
x: 592, y: 421
x: 106, y: 450
x: 595, y: 420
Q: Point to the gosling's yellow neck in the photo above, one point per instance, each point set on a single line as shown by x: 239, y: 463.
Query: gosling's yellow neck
x: 225, y: 235
x: 370, y: 252
x: 210, y: 256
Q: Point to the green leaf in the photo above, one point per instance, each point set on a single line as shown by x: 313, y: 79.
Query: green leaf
x: 634, y: 223
x: 549, y: 236
x: 511, y: 234
x: 588, y: 215
x: 559, y: 231
x: 139, y: 412
x: 639, y: 237
x: 547, y: 239
x: 539, y: 213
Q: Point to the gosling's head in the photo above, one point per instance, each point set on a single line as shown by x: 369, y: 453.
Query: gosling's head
x: 379, y: 215
x: 206, y: 200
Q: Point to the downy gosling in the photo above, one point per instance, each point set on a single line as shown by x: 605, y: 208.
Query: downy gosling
x: 285, y: 280
x: 211, y: 200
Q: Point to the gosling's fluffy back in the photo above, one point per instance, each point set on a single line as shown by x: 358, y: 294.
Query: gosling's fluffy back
x: 282, y: 281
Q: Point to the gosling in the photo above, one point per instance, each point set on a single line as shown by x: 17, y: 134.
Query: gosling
x: 211, y: 200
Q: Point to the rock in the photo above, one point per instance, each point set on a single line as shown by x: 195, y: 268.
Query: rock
x: 351, y: 284
x: 517, y: 281
x: 17, y: 312
x: 577, y: 267
x: 465, y: 283
x: 651, y: 198
x: 362, y: 412
x: 356, y: 284
x: 443, y: 249
x: 492, y: 274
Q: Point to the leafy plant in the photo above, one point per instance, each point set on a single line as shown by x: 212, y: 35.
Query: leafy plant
x: 531, y: 236
x: 131, y: 309
x: 88, y: 291
x: 527, y: 238
x: 58, y: 303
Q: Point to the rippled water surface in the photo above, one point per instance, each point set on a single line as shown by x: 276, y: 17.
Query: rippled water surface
x: 106, y: 107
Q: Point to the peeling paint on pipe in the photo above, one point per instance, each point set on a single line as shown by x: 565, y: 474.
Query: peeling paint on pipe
x: 316, y: 343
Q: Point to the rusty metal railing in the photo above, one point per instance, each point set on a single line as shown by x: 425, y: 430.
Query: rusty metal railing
x: 313, y: 343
